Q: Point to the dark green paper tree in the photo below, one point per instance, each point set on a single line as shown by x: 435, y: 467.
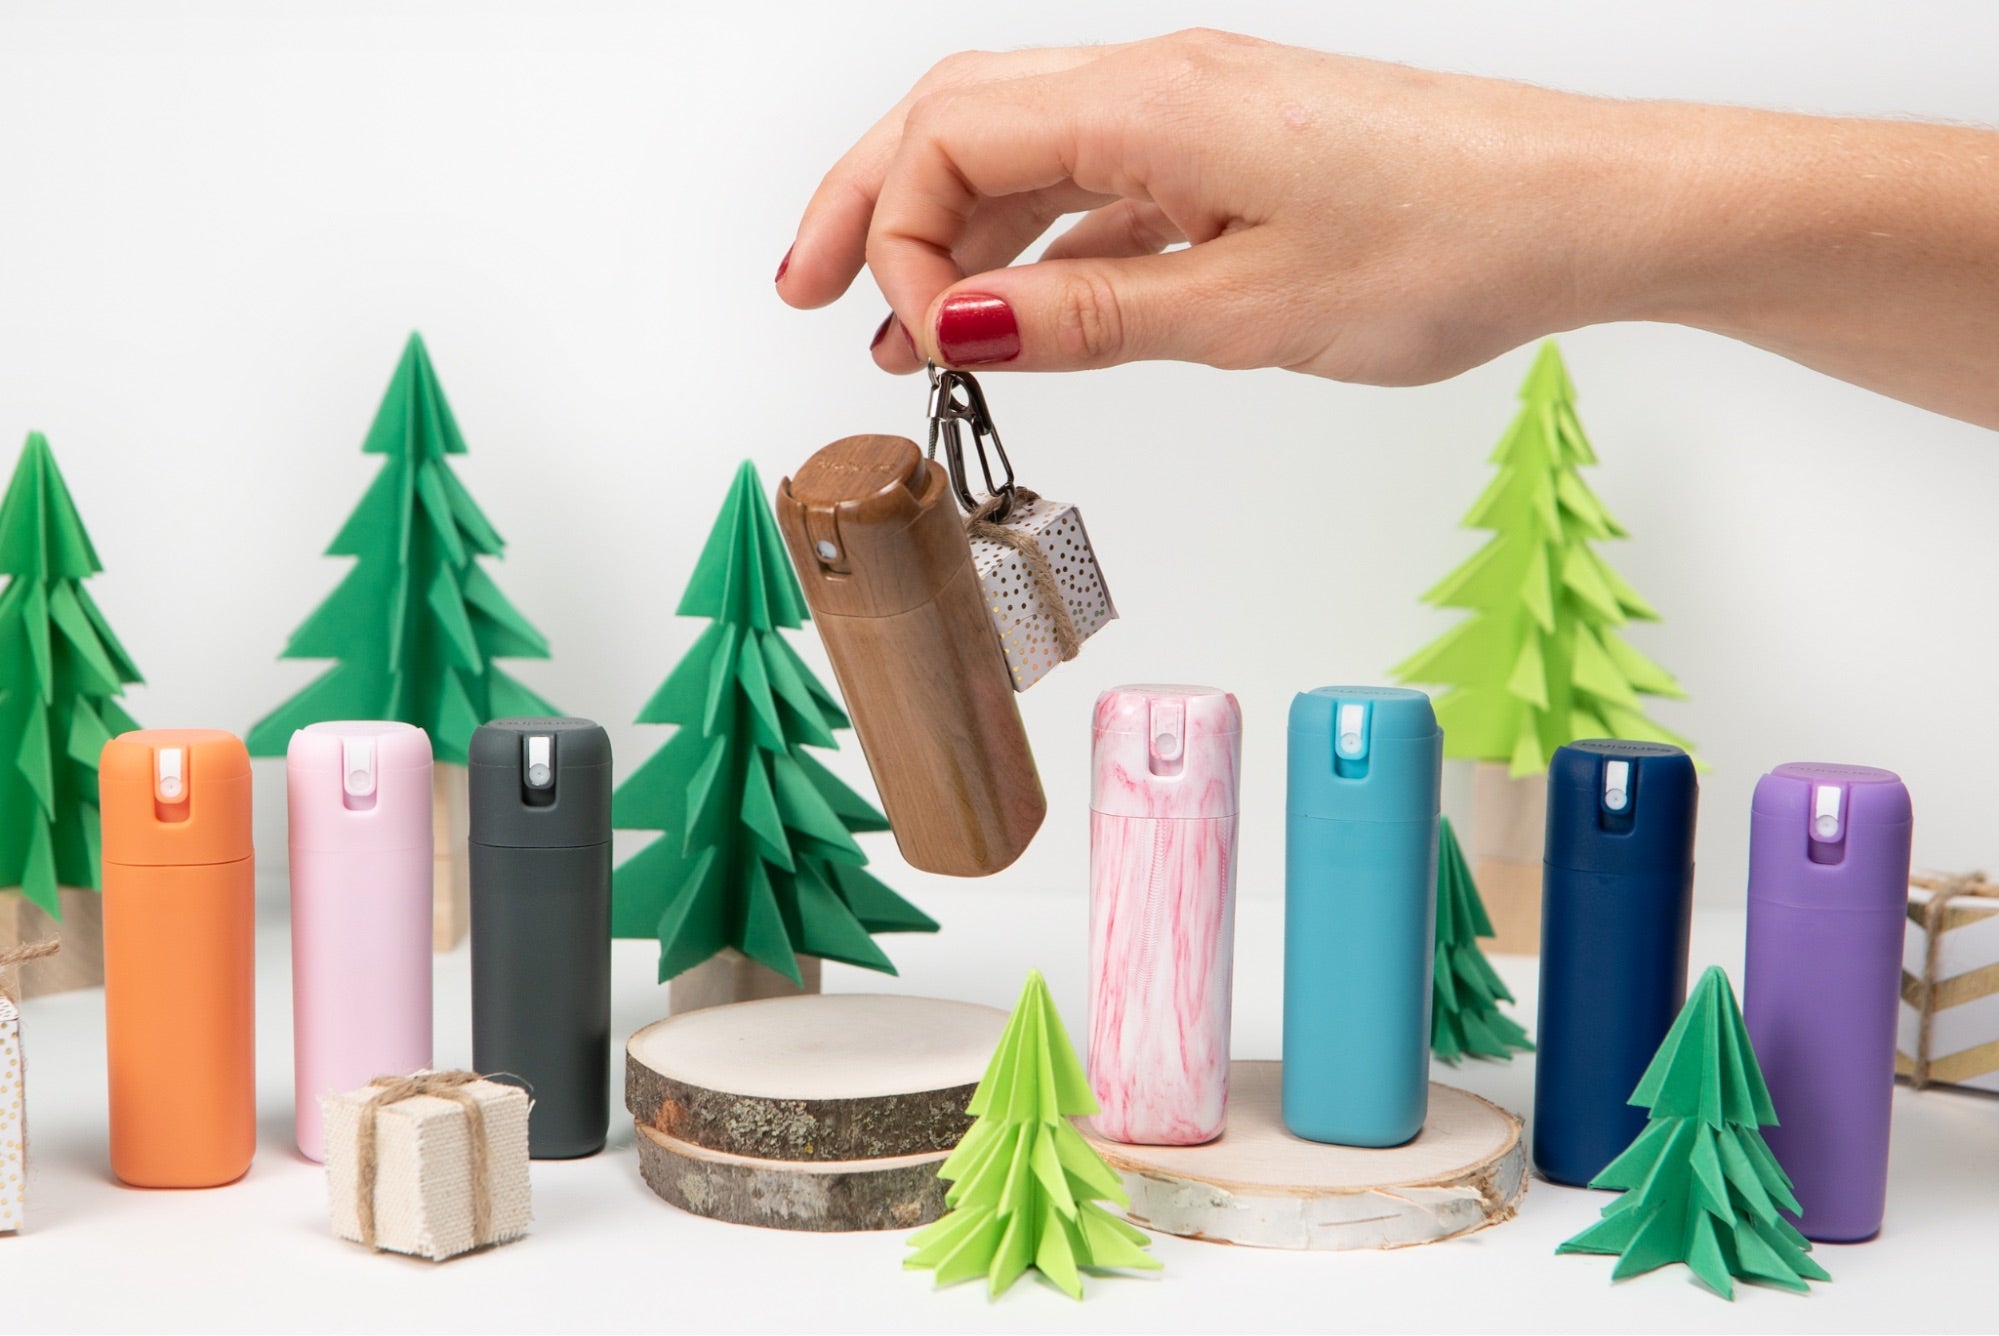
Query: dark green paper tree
x: 1540, y: 662
x: 756, y: 848
x: 1700, y: 1186
x: 1464, y: 1006
x: 1024, y: 1184
x: 417, y: 622
x: 61, y: 672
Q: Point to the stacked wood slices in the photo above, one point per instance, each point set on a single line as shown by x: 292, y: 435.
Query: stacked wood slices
x: 818, y: 1112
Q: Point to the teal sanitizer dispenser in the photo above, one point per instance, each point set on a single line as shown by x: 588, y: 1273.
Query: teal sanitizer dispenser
x: 1360, y: 909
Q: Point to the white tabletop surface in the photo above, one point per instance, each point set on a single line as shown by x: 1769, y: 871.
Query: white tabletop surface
x: 605, y: 1254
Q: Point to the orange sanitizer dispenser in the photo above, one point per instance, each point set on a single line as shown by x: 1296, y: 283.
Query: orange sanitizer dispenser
x: 179, y: 957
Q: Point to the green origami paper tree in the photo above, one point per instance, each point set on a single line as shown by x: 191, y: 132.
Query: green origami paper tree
x: 1466, y: 993
x: 1540, y: 662
x: 61, y: 672
x: 1024, y: 1183
x: 417, y: 622
x: 757, y: 848
x: 1700, y: 1186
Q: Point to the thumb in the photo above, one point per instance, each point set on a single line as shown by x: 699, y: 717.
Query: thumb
x: 1202, y: 304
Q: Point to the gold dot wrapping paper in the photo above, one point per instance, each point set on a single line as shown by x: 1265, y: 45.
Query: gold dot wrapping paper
x: 13, y: 1122
x: 1025, y: 627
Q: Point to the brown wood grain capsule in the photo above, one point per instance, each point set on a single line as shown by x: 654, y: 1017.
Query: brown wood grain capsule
x: 882, y: 554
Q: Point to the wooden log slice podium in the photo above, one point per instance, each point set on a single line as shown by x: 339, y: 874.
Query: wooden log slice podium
x: 817, y: 1112
x: 1259, y: 1185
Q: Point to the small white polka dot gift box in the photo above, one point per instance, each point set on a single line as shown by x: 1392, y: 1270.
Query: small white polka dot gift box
x: 13, y: 1121
x: 1030, y: 628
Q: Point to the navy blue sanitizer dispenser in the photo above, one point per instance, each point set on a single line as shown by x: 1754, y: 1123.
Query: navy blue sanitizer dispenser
x: 1360, y: 913
x: 1616, y: 896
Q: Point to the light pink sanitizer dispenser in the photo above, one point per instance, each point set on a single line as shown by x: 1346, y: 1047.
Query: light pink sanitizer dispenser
x: 360, y: 801
x: 1163, y: 786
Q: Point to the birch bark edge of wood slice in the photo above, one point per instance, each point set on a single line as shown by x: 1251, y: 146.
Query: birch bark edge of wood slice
x: 840, y: 1196
x: 817, y: 1077
x: 1260, y: 1186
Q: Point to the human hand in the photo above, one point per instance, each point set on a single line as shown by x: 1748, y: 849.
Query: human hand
x: 1344, y: 217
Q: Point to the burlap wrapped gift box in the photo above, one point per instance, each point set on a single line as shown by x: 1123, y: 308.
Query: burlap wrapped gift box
x: 433, y: 1165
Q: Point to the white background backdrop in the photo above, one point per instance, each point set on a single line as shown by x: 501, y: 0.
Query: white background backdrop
x: 219, y: 222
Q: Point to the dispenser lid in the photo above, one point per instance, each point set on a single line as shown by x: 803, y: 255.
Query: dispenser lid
x: 1618, y: 805
x: 359, y: 784
x: 857, y: 469
x: 1166, y: 751
x: 540, y: 783
x: 1831, y: 837
x: 1828, y: 799
x: 1362, y: 753
x: 357, y: 748
x: 173, y: 797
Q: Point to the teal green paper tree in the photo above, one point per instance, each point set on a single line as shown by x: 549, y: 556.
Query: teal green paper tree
x: 756, y: 848
x: 1700, y: 1186
x: 1540, y: 662
x: 1464, y: 1006
x: 61, y: 673
x: 417, y: 622
x: 1024, y: 1184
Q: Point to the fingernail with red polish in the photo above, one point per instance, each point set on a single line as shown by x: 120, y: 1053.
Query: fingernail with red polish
x: 881, y: 332
x: 783, y: 265
x: 975, y: 329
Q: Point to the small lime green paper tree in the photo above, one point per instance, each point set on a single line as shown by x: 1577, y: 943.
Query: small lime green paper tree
x: 1700, y: 1186
x: 1466, y: 992
x: 417, y: 622
x: 61, y: 673
x: 1541, y: 661
x: 1024, y: 1184
x: 756, y: 848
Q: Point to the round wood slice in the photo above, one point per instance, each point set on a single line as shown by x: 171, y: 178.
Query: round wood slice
x: 844, y: 1076
x: 1259, y: 1185
x: 896, y: 1193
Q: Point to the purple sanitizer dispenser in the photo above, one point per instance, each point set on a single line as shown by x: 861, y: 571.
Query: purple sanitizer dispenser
x: 1822, y: 985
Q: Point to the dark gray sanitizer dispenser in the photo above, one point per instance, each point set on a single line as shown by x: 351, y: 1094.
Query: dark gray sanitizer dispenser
x: 541, y: 924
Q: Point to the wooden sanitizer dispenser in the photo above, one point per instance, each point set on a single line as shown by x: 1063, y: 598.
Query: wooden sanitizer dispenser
x: 875, y: 534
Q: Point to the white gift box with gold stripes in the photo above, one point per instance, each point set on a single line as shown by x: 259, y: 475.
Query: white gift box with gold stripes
x: 1950, y: 969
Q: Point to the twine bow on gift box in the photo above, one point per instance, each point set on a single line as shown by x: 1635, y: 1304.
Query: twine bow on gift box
x: 443, y: 1085
x: 980, y: 524
x: 1942, y: 891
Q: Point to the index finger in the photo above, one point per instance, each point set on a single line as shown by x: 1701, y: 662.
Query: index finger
x: 831, y: 244
x: 997, y: 138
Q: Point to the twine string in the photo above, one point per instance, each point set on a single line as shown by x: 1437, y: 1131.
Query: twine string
x: 443, y: 1085
x: 11, y: 985
x: 979, y: 524
x: 1942, y: 891
x: 27, y: 951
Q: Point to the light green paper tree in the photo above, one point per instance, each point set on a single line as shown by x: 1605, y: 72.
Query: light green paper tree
x: 1024, y: 1183
x: 756, y: 847
x: 61, y: 672
x: 417, y: 622
x: 1700, y: 1186
x: 1540, y: 662
x: 1466, y: 993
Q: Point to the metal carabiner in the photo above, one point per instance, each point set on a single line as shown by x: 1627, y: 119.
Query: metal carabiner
x: 956, y: 404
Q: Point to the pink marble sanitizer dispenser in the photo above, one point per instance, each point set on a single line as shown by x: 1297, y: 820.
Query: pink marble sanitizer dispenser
x: 1162, y: 911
